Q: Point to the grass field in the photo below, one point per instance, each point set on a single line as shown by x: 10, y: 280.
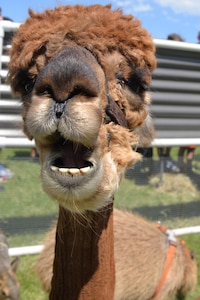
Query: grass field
x: 24, y: 203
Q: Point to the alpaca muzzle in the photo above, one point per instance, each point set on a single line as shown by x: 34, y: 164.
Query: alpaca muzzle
x: 59, y: 108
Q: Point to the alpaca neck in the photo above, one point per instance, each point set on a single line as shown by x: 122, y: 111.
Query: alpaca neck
x: 84, y: 256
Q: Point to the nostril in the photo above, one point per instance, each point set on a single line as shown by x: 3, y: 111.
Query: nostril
x: 59, y: 108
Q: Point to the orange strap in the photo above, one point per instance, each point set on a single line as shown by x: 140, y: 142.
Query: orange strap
x: 187, y: 253
x: 170, y: 255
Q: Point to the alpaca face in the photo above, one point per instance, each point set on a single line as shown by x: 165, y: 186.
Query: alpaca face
x: 81, y: 104
x: 65, y: 117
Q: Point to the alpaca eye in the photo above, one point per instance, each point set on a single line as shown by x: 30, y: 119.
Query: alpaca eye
x: 134, y: 83
x: 120, y: 78
x: 29, y: 86
x: 79, y: 90
x: 45, y: 90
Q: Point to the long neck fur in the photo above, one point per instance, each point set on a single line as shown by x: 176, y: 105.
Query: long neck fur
x: 84, y: 256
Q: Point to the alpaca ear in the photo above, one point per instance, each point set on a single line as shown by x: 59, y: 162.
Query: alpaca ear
x: 15, y: 264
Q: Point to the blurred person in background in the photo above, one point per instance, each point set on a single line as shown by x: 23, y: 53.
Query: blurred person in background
x: 186, y: 167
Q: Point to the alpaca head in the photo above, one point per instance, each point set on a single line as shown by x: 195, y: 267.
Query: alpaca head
x: 83, y: 78
x: 9, y: 284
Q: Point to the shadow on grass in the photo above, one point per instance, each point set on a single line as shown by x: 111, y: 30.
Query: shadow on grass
x: 24, y: 225
x: 164, y: 212
x: 23, y: 154
x: 40, y: 224
x: 143, y: 170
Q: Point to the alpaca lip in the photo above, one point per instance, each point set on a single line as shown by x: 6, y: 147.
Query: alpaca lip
x: 72, y: 177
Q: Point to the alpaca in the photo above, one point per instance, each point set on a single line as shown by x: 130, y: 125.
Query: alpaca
x: 83, y: 78
x: 84, y: 82
x: 9, y: 285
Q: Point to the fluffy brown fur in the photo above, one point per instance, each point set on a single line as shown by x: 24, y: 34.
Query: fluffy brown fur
x: 9, y: 284
x: 140, y: 254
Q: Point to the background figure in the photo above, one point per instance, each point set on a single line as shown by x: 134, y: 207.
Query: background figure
x: 169, y: 165
x: 198, y: 37
x: 164, y: 152
x: 186, y: 167
x: 175, y: 37
x: 4, y: 18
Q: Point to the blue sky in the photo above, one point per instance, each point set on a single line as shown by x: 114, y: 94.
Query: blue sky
x: 159, y: 17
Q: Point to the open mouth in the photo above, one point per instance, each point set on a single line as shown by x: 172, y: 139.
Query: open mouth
x: 73, y: 159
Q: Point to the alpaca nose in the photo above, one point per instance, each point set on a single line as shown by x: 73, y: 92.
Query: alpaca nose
x: 59, y: 108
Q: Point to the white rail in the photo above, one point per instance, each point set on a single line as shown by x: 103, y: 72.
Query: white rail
x: 9, y: 142
x: 166, y: 142
x: 12, y: 142
x: 28, y: 250
x: 177, y: 45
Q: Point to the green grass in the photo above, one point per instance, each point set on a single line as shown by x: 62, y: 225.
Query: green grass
x: 23, y: 197
x: 31, y: 288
